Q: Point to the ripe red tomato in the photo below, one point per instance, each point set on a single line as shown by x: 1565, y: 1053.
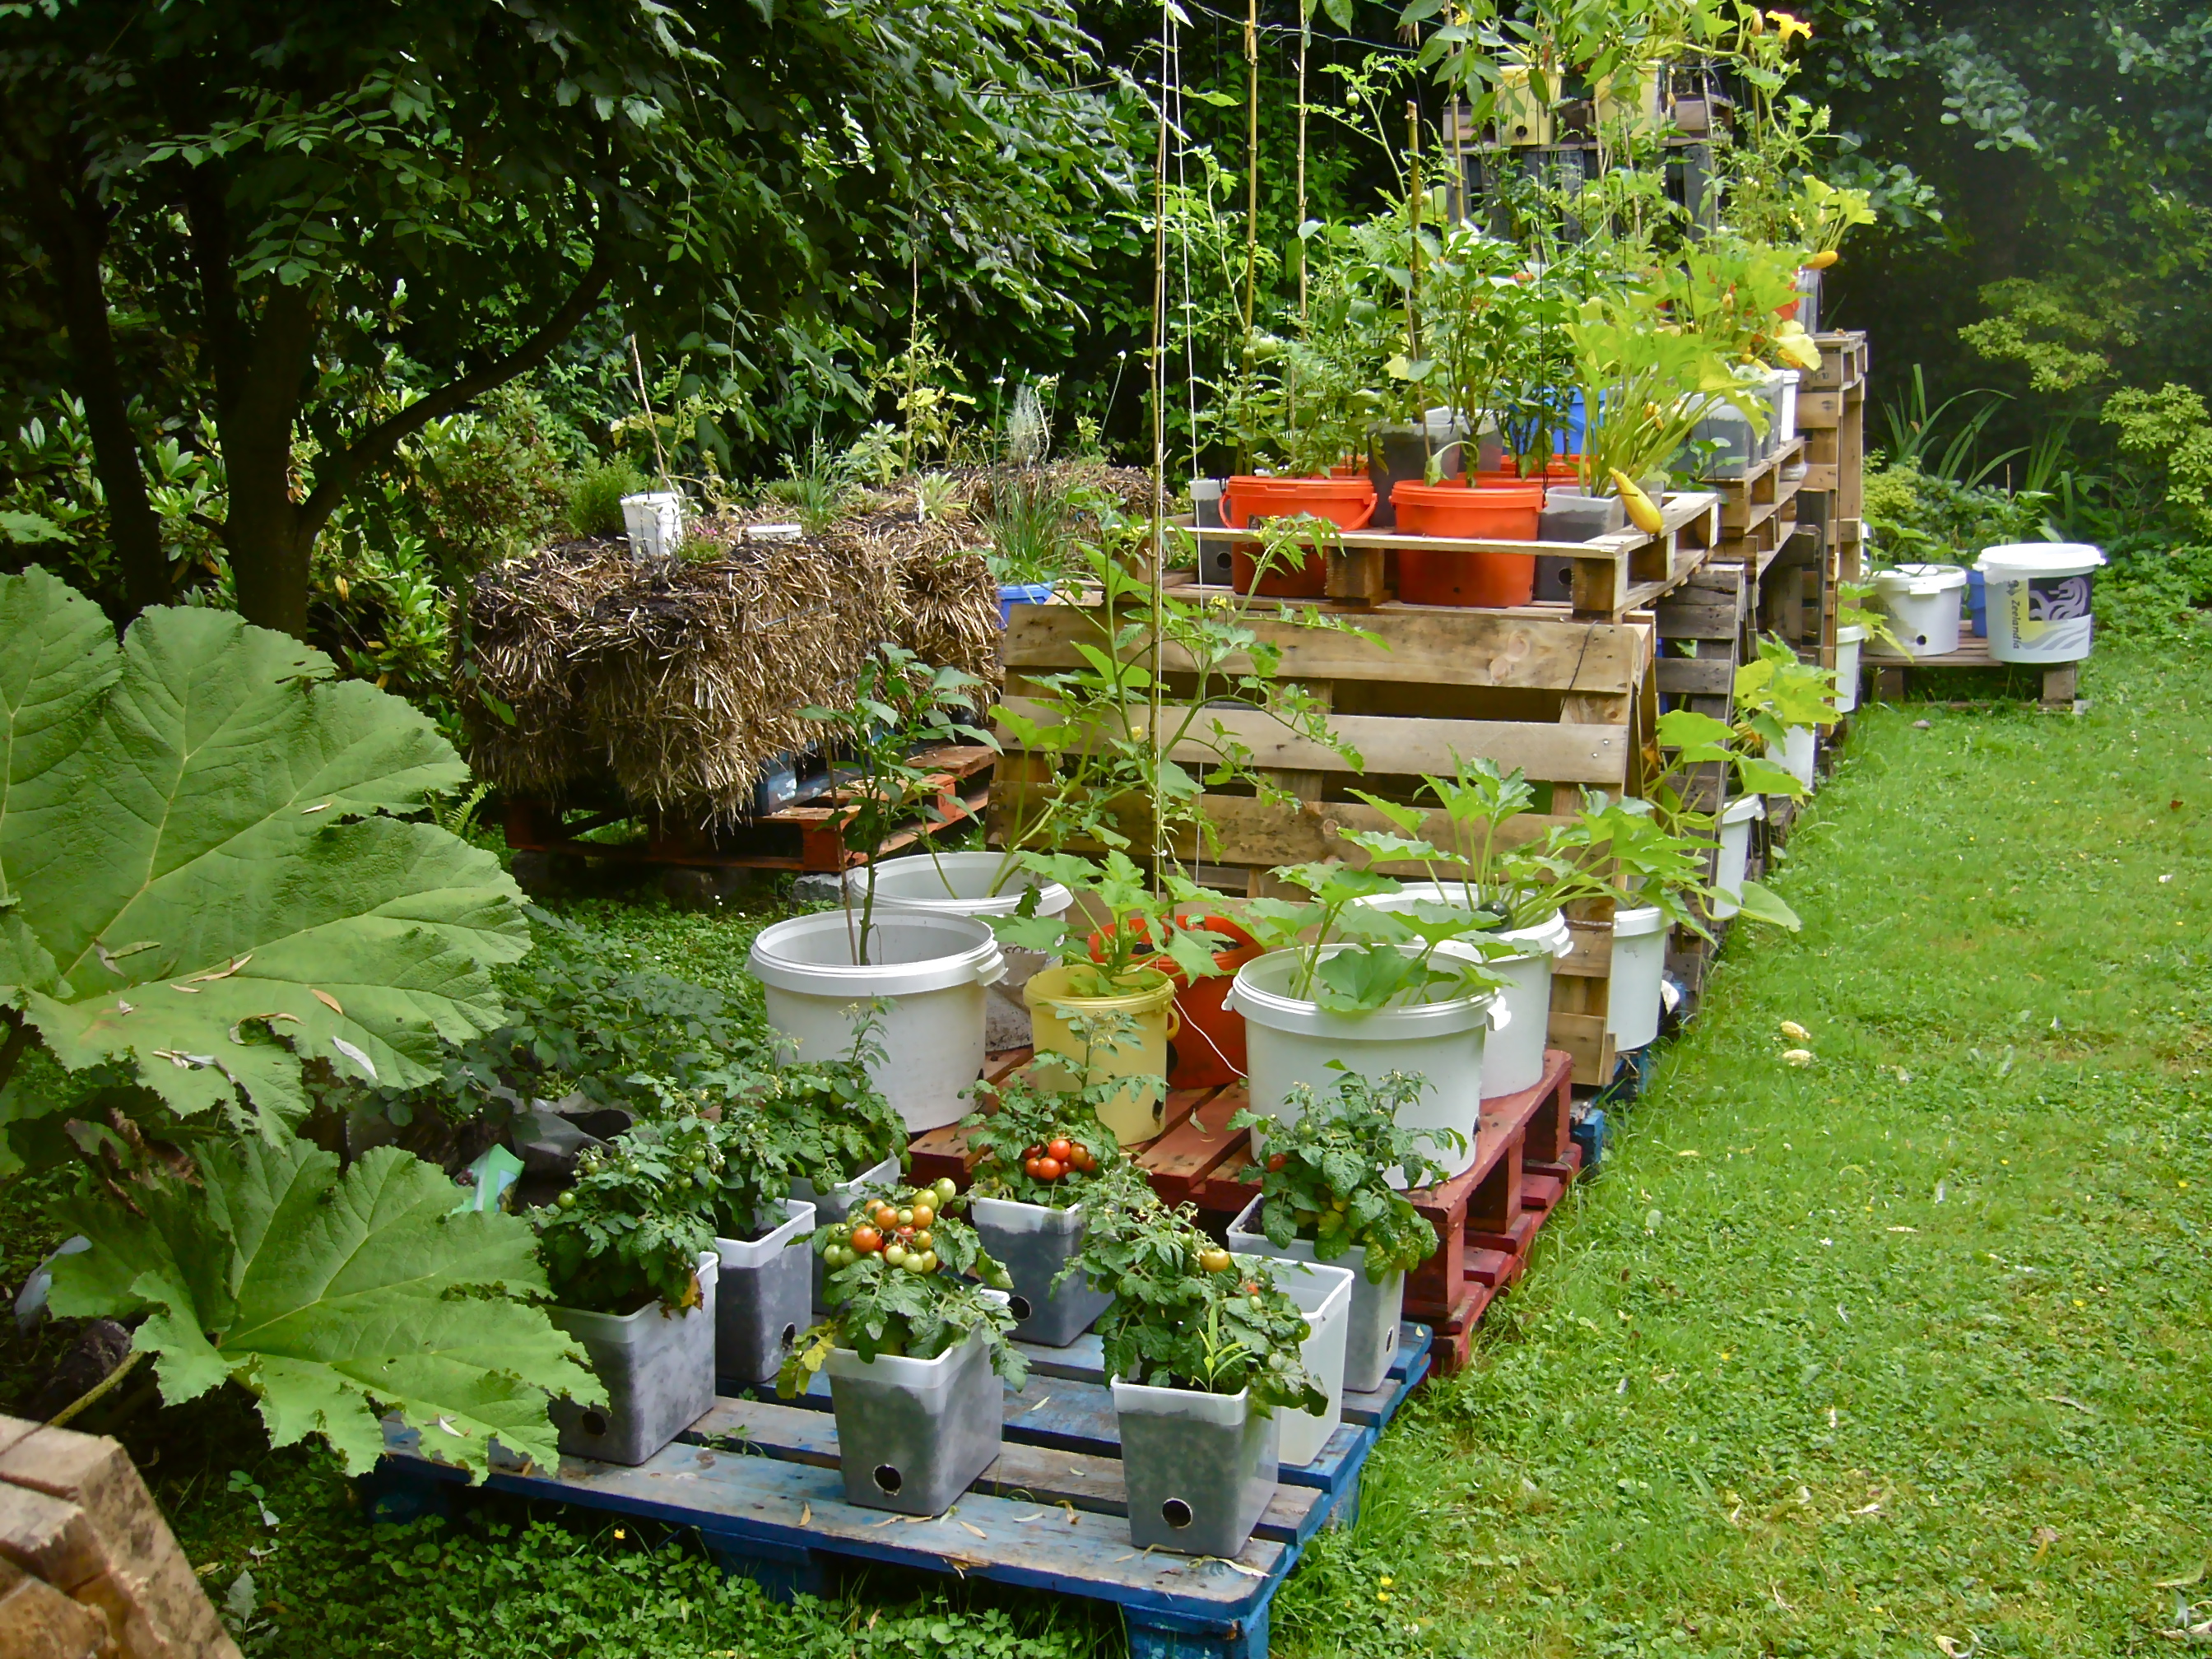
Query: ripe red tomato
x: 866, y: 1240
x: 1030, y: 1166
x: 1276, y: 1162
x: 1084, y: 1161
x: 1063, y: 1150
x: 1050, y: 1169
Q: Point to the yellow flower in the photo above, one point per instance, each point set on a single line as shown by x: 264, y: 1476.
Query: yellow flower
x: 1787, y: 26
x: 1385, y: 1581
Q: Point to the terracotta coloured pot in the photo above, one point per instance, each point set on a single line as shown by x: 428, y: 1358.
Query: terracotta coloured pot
x: 1347, y: 503
x: 1498, y: 512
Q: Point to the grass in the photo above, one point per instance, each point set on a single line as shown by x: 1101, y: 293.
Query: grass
x: 1905, y: 1348
x: 1911, y: 1344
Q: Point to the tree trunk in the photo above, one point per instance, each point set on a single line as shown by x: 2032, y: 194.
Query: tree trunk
x: 75, y: 230
x: 269, y: 543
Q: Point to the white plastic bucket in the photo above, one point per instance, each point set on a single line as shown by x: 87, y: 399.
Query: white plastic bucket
x: 1850, y: 641
x: 1323, y: 1294
x: 1639, y: 963
x: 931, y: 969
x: 1785, y: 419
x: 1923, y: 603
x: 1514, y: 1059
x: 960, y: 884
x: 1800, y: 754
x: 655, y: 523
x: 2039, y: 595
x: 1289, y: 1040
x: 1735, y: 853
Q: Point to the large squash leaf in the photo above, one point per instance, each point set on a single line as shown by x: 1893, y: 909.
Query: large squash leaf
x: 196, y: 874
x: 333, y: 1301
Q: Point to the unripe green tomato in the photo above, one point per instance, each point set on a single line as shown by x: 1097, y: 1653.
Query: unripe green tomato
x: 567, y: 1201
x: 928, y: 1258
x: 919, y: 1261
x: 947, y: 1189
x: 895, y: 1256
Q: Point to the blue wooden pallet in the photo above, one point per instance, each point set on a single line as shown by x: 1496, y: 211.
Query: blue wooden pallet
x: 759, y: 1481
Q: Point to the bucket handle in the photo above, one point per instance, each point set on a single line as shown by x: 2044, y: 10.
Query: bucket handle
x: 1500, y: 1016
x: 993, y: 971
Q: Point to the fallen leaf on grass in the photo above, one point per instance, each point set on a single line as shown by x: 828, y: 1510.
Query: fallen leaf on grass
x: 1954, y: 1649
x: 2184, y: 1580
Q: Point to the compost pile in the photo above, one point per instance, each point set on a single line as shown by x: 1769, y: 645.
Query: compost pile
x: 678, y: 682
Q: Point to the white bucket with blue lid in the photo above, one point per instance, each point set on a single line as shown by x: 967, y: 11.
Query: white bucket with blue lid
x: 2039, y: 600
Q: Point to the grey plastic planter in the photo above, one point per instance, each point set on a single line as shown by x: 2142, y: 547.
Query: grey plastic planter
x: 1571, y: 516
x: 913, y: 1434
x: 1201, y: 1468
x: 837, y: 1203
x: 658, y: 1368
x: 1371, y: 1342
x: 1035, y: 1243
x: 763, y: 1298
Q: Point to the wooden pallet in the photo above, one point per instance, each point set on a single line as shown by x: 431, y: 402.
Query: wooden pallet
x: 1702, y: 626
x: 1614, y: 574
x: 759, y: 1479
x: 1490, y: 1269
x: 809, y: 837
x: 1571, y: 703
x: 2061, y: 680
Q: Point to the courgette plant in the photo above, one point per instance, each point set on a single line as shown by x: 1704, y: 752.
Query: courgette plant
x: 907, y: 1278
x: 1188, y: 1314
x: 1326, y: 1176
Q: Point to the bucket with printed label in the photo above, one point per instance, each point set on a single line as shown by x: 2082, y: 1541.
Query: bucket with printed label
x: 2039, y: 595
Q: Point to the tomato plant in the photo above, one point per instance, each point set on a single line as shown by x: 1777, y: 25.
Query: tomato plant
x: 1046, y: 1147
x: 1326, y: 1176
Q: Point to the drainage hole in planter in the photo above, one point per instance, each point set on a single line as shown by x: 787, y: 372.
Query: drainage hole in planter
x: 790, y: 1334
x: 1176, y: 1513
x: 1018, y: 1306
x: 889, y: 1479
x: 595, y: 1423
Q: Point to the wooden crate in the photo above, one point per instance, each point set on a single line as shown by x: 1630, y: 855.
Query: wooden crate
x: 1571, y: 703
x: 1614, y: 574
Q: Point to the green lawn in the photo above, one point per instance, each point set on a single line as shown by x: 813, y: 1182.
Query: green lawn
x: 1912, y: 1346
x: 1905, y: 1348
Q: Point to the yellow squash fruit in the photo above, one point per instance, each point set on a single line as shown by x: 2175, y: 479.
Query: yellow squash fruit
x: 1823, y: 259
x: 1641, y: 512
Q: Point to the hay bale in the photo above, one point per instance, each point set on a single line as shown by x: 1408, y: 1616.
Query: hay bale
x: 678, y: 682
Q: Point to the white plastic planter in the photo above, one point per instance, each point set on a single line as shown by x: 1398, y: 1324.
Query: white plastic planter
x: 1735, y: 853
x: 1639, y: 963
x: 960, y: 884
x: 1850, y: 642
x: 1785, y: 404
x: 1370, y: 1337
x: 1800, y: 755
x: 2038, y: 605
x: 657, y: 1367
x: 1923, y: 603
x: 1035, y: 1243
x: 1289, y: 1040
x: 1323, y: 1294
x: 1201, y: 1467
x: 762, y: 1298
x: 932, y: 970
x: 837, y: 1203
x: 913, y: 1434
x: 1513, y: 1059
x: 654, y: 523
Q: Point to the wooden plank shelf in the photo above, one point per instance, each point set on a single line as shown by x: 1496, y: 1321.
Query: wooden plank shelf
x: 2061, y: 680
x: 759, y: 1481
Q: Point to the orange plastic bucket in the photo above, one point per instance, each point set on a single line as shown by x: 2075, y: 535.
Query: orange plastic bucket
x: 1347, y: 503
x: 1210, y: 1050
x: 1504, y: 513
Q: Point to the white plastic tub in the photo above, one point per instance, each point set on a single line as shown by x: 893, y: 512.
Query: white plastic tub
x: 1735, y: 853
x: 2038, y: 603
x: 932, y: 970
x: 1371, y: 1327
x: 1514, y: 1059
x: 1785, y: 405
x: 657, y: 1366
x: 1639, y: 963
x: 654, y: 523
x: 1323, y: 1294
x: 1201, y: 1467
x: 1923, y: 603
x: 1800, y: 754
x: 1850, y: 642
x: 1290, y: 1040
x: 960, y: 884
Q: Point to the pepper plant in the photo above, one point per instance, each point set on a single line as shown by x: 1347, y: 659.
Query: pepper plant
x: 908, y: 1278
x: 1325, y: 1179
x: 1188, y: 1314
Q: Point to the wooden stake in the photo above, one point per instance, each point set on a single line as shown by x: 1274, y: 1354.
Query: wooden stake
x: 1414, y: 205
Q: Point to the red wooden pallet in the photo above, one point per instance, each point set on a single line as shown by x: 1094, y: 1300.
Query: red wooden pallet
x: 1487, y: 1217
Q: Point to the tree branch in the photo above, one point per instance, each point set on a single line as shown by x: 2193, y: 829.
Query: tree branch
x: 374, y: 446
x: 208, y: 216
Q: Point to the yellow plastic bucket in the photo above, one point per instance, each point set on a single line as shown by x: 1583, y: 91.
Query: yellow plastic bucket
x: 1133, y: 1113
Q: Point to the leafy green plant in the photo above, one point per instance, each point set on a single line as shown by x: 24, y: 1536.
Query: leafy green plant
x: 332, y: 1300
x: 1046, y: 1147
x: 1140, y: 929
x: 1645, y: 390
x: 200, y: 875
x: 1326, y: 1177
x: 595, y: 498
x: 1188, y: 1315
x: 906, y: 1277
x: 630, y: 1231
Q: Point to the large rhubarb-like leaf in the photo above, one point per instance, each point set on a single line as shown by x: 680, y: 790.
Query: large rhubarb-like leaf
x: 198, y: 873
x: 333, y: 1300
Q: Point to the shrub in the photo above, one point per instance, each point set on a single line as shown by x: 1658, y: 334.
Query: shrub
x: 595, y: 498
